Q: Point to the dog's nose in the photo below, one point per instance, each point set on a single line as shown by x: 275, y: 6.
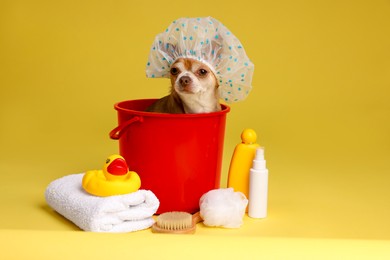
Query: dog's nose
x: 185, y: 80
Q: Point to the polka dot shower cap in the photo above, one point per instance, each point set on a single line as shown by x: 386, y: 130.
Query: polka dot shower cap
x: 209, y: 41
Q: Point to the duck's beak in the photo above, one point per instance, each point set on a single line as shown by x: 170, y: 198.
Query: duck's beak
x: 118, y: 167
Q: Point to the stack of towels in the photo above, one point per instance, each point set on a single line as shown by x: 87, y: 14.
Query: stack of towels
x: 122, y: 213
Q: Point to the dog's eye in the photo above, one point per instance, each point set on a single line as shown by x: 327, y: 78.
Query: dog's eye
x: 174, y: 71
x: 203, y: 72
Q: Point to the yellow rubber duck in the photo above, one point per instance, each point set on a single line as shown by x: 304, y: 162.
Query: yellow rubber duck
x: 114, y: 179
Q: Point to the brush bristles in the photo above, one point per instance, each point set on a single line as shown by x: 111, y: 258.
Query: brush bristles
x: 174, y: 220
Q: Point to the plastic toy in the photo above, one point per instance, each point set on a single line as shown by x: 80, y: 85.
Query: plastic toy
x: 114, y: 179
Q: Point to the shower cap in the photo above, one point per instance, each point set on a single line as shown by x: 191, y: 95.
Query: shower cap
x: 208, y: 41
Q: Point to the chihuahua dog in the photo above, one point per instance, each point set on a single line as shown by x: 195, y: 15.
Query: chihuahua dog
x: 194, y: 90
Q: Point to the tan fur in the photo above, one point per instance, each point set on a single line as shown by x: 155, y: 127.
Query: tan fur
x: 200, y: 95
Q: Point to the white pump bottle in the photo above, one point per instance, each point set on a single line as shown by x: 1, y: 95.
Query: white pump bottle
x: 258, y: 186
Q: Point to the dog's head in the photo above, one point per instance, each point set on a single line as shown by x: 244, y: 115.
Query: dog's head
x: 189, y: 76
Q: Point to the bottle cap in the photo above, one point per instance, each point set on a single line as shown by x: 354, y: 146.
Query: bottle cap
x: 249, y: 136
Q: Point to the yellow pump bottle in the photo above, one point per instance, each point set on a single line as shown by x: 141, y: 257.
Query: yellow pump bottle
x: 241, y: 162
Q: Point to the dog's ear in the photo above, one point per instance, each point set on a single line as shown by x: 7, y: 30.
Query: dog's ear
x: 216, y: 45
x: 214, y: 48
x: 170, y: 49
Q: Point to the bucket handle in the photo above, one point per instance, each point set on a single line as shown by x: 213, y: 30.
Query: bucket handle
x: 117, y: 132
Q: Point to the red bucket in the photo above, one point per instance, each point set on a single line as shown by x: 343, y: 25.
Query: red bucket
x: 177, y: 156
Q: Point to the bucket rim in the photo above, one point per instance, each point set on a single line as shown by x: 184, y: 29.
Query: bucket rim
x: 117, y: 106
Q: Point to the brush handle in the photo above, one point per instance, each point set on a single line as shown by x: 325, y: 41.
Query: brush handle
x: 196, y: 218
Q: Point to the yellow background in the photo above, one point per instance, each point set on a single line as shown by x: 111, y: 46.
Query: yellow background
x: 320, y: 105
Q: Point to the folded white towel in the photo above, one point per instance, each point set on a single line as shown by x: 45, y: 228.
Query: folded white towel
x: 122, y: 213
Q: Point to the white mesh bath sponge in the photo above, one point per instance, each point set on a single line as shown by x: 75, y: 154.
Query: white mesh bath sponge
x: 209, y: 41
x: 223, y: 208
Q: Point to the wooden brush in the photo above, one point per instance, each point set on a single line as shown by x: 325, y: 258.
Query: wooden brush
x: 176, y: 223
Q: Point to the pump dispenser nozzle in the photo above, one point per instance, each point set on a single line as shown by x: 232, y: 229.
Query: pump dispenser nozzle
x: 258, y: 186
x: 259, y: 162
